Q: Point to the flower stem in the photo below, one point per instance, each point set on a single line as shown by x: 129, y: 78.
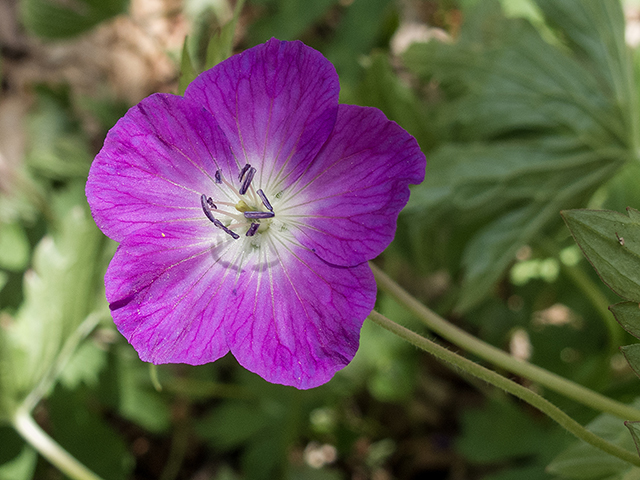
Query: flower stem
x: 507, y: 385
x: 501, y: 358
x: 48, y: 448
x: 31, y: 431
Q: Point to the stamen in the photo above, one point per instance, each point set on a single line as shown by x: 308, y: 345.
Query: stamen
x: 206, y: 202
x: 253, y: 229
x: 218, y: 176
x: 219, y: 224
x: 257, y: 215
x: 265, y: 202
x: 243, y: 171
x: 211, y: 204
x: 247, y: 180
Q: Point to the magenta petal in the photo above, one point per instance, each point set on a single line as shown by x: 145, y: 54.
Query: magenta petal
x: 298, y: 321
x: 167, y: 295
x: 346, y: 204
x: 156, y: 162
x: 276, y: 103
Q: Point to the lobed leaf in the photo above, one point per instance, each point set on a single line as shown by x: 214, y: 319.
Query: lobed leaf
x: 533, y: 127
x: 628, y: 316
x: 59, y: 293
x: 611, y: 243
x: 634, y: 429
x: 632, y: 355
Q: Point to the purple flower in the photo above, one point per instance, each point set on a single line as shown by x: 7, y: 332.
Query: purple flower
x: 246, y: 212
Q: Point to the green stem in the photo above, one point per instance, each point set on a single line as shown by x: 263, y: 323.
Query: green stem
x: 31, y: 431
x: 507, y: 385
x: 180, y: 440
x: 501, y: 358
x: 48, y: 448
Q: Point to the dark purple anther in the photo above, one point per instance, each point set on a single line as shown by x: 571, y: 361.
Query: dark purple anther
x: 253, y: 229
x: 207, y: 204
x: 265, y: 202
x: 204, y: 201
x: 219, y: 224
x: 211, y: 204
x: 243, y: 171
x: 257, y: 215
x: 218, y: 176
x: 247, y: 180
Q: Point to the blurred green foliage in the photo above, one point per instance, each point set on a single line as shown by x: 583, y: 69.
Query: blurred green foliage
x: 56, y: 20
x: 529, y: 108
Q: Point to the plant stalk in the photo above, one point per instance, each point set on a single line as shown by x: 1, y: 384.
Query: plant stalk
x: 507, y: 385
x: 27, y: 427
x: 500, y: 358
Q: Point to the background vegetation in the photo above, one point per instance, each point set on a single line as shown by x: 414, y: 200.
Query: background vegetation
x: 524, y: 108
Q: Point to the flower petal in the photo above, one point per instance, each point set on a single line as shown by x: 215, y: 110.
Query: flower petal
x: 156, y: 162
x: 298, y: 321
x: 167, y: 295
x: 276, y: 103
x: 346, y: 204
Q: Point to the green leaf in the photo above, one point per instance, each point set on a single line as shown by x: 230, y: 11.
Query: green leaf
x: 138, y: 401
x: 384, y: 363
x: 501, y: 431
x: 14, y: 247
x: 356, y: 34
x: 611, y: 243
x: 634, y: 428
x: 84, y: 366
x: 309, y: 473
x: 4, y: 278
x: 609, y: 59
x: 59, y: 148
x: 263, y: 427
x: 87, y: 437
x: 187, y: 70
x: 12, y: 444
x: 628, y: 316
x: 232, y: 424
x: 530, y: 130
x: 60, y: 291
x: 632, y: 355
x: 56, y: 20
x: 288, y: 19
x: 381, y: 88
x: 221, y: 44
x: 585, y: 462
x: 20, y: 468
